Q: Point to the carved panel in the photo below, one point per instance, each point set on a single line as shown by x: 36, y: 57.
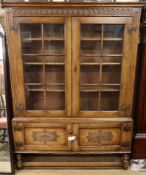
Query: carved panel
x: 44, y: 136
x: 95, y: 11
x: 100, y: 137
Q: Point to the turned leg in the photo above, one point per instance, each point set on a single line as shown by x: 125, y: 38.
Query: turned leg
x: 19, y: 161
x: 125, y: 161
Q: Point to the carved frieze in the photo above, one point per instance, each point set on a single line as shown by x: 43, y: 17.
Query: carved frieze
x: 44, y: 136
x: 100, y: 136
x: 92, y: 11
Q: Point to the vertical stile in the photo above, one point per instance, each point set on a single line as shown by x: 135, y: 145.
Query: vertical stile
x: 44, y: 69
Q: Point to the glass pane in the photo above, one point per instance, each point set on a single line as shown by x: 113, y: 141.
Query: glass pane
x: 113, y: 31
x: 89, y: 59
x: 32, y: 59
x: 90, y: 48
x: 89, y: 101
x: 112, y: 47
x: 54, y: 47
x: 33, y: 74
x: 111, y: 74
x: 54, y: 74
x: 54, y: 59
x: 44, y: 66
x: 30, y: 32
x: 92, y: 31
x: 55, y: 100
x: 54, y: 31
x: 101, y: 54
x: 109, y: 101
x: 33, y: 47
x: 89, y: 74
x: 35, y: 100
x: 111, y: 59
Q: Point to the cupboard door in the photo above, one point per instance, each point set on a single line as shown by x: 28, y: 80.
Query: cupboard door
x: 44, y: 71
x: 41, y: 136
x: 104, y: 59
x: 103, y: 136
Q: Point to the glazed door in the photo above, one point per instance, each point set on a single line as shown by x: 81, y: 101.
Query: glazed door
x: 103, y: 66
x: 44, y: 71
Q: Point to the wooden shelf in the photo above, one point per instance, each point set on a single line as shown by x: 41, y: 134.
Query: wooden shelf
x: 55, y: 84
x: 41, y: 63
x: 41, y: 54
x: 106, y: 55
x: 90, y: 39
x: 53, y: 38
x: 33, y: 63
x: 90, y: 64
x: 46, y: 84
x: 32, y: 54
x: 110, y: 84
x: 46, y: 90
x: 55, y: 90
x: 99, y: 39
x: 112, y: 55
x: 56, y: 64
x: 36, y: 90
x: 31, y: 39
x: 99, y: 84
x: 90, y: 55
x: 111, y: 63
x: 89, y: 84
x: 112, y: 39
x: 34, y: 84
x: 45, y: 39
x: 99, y: 90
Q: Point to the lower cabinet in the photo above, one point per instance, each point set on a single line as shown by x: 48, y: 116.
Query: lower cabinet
x: 72, y: 142
x: 72, y: 137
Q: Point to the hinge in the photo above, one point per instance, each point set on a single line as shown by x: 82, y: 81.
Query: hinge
x: 125, y: 107
x: 18, y: 144
x: 14, y: 27
x: 127, y: 128
x: 125, y: 144
x: 19, y: 107
x: 132, y: 28
x: 17, y: 128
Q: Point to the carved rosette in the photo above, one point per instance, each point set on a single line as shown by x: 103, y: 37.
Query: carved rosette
x: 100, y: 136
x: 92, y: 11
x: 44, y: 136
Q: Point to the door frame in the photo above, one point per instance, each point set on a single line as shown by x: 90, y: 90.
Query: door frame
x: 128, y: 65
x: 18, y: 75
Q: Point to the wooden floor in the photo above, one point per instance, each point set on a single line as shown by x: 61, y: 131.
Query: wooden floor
x: 76, y: 172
